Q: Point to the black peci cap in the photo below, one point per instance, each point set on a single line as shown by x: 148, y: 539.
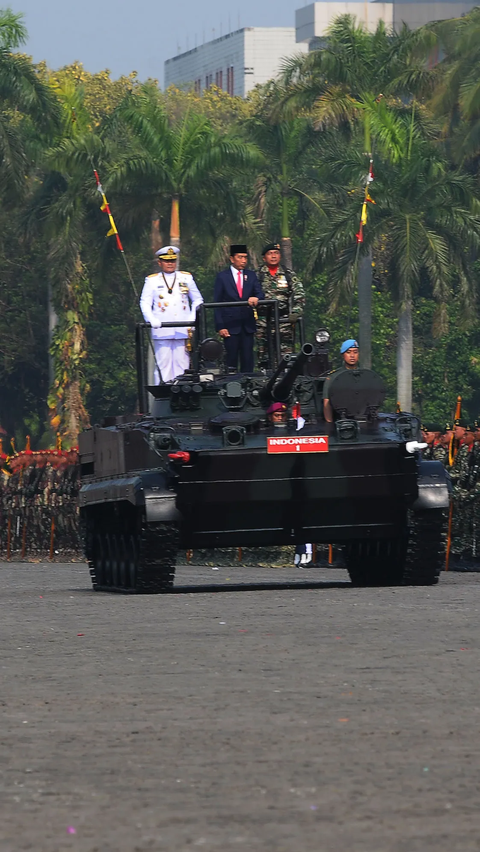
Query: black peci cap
x: 238, y: 249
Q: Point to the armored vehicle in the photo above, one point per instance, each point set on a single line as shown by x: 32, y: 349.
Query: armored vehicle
x: 201, y: 466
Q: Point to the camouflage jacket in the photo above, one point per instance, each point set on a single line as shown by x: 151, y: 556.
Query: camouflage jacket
x: 474, y: 470
x: 436, y: 453
x: 440, y: 454
x: 284, y: 286
x: 462, y: 468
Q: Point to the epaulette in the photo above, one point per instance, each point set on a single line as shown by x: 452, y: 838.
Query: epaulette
x: 184, y: 273
x: 153, y: 275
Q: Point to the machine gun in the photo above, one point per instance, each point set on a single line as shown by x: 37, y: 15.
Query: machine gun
x: 279, y: 387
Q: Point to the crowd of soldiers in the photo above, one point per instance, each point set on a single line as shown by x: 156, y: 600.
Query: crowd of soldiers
x: 39, y: 504
x: 457, y: 446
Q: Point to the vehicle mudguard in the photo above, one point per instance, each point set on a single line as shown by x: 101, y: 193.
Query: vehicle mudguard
x: 434, y: 486
x: 149, y: 490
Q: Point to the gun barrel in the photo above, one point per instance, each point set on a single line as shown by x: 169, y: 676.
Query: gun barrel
x: 279, y: 389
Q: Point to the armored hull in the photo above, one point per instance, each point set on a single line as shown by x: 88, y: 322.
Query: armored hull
x: 204, y: 469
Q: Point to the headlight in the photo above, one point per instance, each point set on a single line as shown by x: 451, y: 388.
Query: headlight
x: 322, y: 336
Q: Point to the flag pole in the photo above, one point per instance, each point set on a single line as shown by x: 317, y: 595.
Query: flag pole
x: 114, y: 232
x: 452, y: 452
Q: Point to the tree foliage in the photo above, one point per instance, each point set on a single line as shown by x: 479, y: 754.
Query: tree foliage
x: 288, y: 161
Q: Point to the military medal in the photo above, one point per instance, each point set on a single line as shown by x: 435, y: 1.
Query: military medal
x: 170, y: 289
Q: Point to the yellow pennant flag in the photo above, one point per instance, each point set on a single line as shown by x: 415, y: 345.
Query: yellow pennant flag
x: 105, y: 208
x: 368, y: 198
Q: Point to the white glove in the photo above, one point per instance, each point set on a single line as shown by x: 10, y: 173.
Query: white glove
x: 412, y: 446
x: 157, y: 325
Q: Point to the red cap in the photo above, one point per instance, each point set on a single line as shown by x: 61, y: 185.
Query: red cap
x: 277, y: 406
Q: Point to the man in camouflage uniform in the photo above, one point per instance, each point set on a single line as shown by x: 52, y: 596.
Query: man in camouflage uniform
x: 474, y: 498
x: 278, y: 282
x: 445, y: 444
x: 462, y: 475
x: 431, y: 436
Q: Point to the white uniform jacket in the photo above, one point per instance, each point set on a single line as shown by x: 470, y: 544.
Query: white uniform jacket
x: 159, y: 306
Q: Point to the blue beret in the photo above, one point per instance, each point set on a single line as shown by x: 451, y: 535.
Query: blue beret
x: 348, y: 344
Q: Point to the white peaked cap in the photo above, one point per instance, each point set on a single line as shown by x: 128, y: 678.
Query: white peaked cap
x: 168, y: 250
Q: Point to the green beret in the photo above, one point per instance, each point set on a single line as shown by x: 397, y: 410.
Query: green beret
x: 431, y: 427
x: 447, y: 428
x: 460, y: 421
x: 271, y: 247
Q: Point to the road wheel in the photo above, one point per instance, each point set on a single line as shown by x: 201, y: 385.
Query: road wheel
x: 157, y: 558
x: 108, y: 559
x: 376, y: 563
x: 114, y: 542
x: 426, y: 548
x: 122, y: 562
x: 131, y: 556
x: 98, y: 565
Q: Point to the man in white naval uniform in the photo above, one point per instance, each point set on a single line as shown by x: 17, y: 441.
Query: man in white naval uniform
x: 167, y: 296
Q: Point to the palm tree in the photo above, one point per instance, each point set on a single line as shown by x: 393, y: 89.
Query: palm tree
x: 457, y: 94
x: 184, y: 162
x: 283, y: 142
x: 427, y: 218
x: 24, y: 97
x: 60, y: 208
x: 355, y: 84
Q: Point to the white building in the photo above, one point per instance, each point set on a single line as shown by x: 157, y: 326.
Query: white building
x: 313, y: 21
x: 235, y: 62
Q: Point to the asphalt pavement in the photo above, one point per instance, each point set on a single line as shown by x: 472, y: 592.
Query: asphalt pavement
x: 251, y: 709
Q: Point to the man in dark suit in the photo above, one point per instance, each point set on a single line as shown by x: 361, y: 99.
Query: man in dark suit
x: 237, y: 325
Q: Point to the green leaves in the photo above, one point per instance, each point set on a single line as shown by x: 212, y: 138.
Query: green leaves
x: 185, y: 156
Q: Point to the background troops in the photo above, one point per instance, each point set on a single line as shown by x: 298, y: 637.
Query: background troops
x: 464, y: 472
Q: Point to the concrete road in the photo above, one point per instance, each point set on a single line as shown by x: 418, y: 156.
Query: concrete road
x: 289, y: 718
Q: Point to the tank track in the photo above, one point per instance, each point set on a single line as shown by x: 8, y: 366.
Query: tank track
x: 135, y: 562
x: 375, y: 563
x: 413, y: 561
x: 426, y: 548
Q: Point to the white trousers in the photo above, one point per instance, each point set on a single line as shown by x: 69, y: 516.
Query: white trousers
x: 172, y: 358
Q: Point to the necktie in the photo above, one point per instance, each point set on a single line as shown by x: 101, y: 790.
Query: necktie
x: 239, y: 284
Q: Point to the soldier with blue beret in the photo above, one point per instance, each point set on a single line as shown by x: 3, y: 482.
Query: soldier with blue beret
x: 350, y: 357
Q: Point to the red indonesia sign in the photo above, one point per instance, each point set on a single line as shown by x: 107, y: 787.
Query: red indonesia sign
x: 308, y: 444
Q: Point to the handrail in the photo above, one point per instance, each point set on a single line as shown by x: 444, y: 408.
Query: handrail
x: 200, y: 325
